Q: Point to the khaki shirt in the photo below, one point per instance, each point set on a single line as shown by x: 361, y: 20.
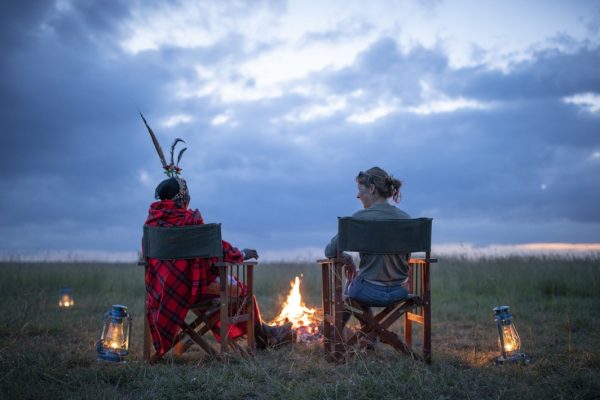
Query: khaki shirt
x: 383, y: 269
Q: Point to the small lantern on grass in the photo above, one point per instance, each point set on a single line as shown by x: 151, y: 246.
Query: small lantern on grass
x: 113, y: 344
x: 65, y: 298
x: 508, y: 338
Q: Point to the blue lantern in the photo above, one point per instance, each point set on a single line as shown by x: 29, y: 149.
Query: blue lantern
x: 113, y: 344
x: 509, y: 341
x: 65, y: 298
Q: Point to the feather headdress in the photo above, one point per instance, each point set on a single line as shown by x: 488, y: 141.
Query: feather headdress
x: 172, y: 170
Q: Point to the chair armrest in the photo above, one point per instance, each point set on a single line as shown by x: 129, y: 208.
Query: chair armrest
x: 422, y: 260
x: 223, y: 264
x: 330, y: 260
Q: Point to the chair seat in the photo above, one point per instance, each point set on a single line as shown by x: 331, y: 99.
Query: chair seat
x: 206, y: 303
x: 352, y: 304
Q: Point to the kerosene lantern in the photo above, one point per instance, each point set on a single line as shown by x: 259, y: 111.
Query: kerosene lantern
x: 65, y: 298
x: 113, y: 344
x: 509, y: 341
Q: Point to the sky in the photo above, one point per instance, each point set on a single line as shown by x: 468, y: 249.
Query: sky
x: 487, y: 111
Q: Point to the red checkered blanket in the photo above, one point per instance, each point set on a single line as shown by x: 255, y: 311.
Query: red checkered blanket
x: 174, y: 285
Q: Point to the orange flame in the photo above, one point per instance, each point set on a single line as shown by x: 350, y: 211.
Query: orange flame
x: 296, y: 312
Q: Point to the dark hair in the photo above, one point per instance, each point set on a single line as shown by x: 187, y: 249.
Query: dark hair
x: 173, y: 189
x: 386, y: 185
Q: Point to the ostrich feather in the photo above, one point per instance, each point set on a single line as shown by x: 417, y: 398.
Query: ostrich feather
x: 161, y: 155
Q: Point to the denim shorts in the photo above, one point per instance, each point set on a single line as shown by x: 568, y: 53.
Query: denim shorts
x: 374, y: 295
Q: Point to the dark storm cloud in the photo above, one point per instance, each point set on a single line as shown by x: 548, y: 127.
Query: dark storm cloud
x: 522, y: 160
x: 70, y: 132
x: 384, y: 69
x: 549, y: 73
x: 73, y: 147
x: 18, y: 18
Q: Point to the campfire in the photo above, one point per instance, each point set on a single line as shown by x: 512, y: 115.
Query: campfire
x: 305, y: 321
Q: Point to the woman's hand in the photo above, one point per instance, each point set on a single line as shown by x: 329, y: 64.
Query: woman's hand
x: 349, y: 267
x: 350, y: 271
x: 347, y: 259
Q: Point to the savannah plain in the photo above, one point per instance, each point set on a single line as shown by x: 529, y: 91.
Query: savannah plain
x: 48, y: 353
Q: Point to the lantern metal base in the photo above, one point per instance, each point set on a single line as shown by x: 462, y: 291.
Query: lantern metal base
x: 519, y: 358
x: 112, y: 358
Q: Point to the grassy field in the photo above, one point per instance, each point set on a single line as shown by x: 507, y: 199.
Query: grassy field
x: 49, y: 353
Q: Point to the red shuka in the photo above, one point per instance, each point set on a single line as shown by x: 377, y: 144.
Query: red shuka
x: 174, y: 285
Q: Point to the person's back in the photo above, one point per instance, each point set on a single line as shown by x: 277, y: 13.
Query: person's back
x: 173, y: 285
x: 384, y: 269
x: 380, y: 278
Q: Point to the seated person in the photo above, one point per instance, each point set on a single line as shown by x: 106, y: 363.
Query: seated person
x: 174, y: 285
x: 380, y: 280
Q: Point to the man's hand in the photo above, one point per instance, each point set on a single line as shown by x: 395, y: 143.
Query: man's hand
x: 250, y: 253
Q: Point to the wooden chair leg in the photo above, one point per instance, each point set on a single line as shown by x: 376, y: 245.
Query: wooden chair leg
x: 427, y: 313
x: 375, y: 329
x: 408, y: 325
x: 224, y: 309
x: 327, y: 336
x: 147, y: 351
x: 408, y: 332
x: 338, y: 334
x: 377, y: 326
x: 201, y: 342
x: 250, y: 339
x: 250, y: 335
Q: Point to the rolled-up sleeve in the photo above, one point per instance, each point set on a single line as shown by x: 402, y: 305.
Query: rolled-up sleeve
x: 331, y: 248
x: 232, y: 254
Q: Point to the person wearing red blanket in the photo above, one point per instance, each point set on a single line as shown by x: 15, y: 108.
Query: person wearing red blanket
x: 174, y: 285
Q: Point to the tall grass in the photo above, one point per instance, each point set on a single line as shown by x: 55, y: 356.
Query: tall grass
x: 49, y: 353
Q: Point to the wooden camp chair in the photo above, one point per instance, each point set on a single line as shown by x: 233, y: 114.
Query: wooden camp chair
x: 231, y: 307
x: 380, y: 237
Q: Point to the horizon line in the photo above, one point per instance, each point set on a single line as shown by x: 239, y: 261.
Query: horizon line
x: 312, y: 253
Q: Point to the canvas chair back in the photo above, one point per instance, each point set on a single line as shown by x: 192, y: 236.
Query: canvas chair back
x: 390, y: 236
x: 182, y: 242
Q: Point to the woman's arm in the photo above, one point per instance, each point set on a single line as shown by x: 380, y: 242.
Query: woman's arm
x: 331, y: 248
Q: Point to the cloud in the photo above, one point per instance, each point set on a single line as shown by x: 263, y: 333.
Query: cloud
x: 175, y: 120
x: 190, y: 24
x: 220, y: 119
x: 589, y: 102
x: 372, y: 114
x: 326, y: 107
x: 279, y: 115
x: 447, y: 105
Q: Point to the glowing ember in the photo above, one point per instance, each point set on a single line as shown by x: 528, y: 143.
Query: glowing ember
x: 304, y: 320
